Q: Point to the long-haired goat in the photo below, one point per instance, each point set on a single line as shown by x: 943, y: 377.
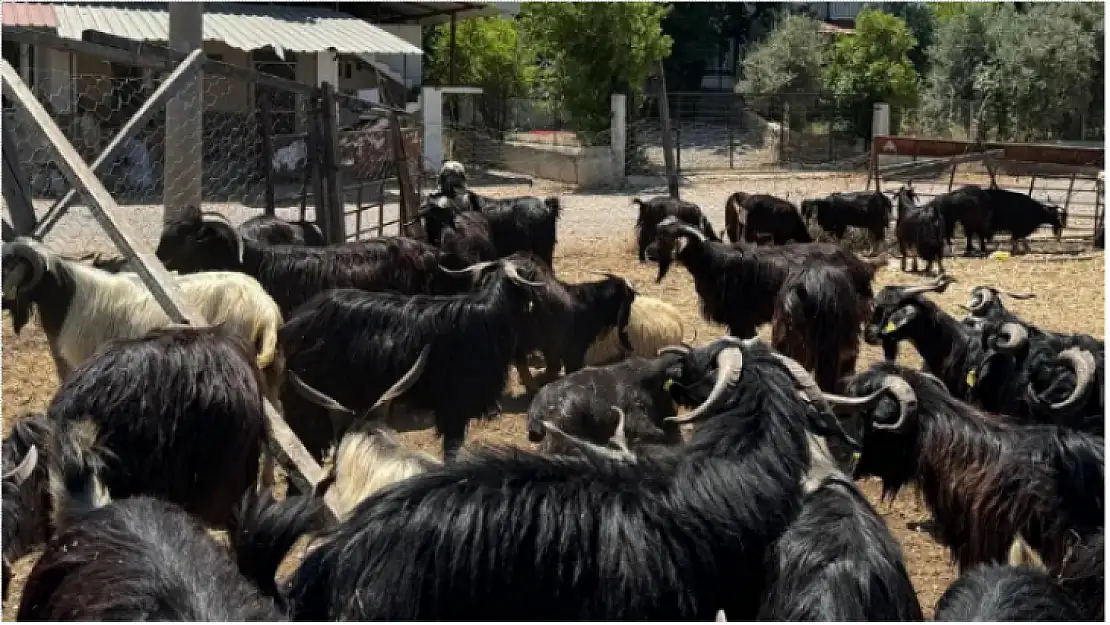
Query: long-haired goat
x: 1020, y: 215
x: 516, y: 224
x: 652, y: 325
x: 748, y: 216
x: 971, y: 207
x: 273, y: 230
x: 293, y: 274
x: 511, y: 535
x: 737, y: 287
x: 350, y: 343
x: 870, y: 210
x: 140, y: 559
x: 986, y: 479
x: 655, y: 210
x: 985, y: 304
x: 82, y: 308
x: 26, y: 504
x: 920, y: 229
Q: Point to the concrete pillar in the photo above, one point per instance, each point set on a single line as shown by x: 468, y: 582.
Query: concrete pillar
x: 618, y: 133
x: 56, y: 78
x: 185, y: 116
x: 880, y: 119
x: 431, y: 105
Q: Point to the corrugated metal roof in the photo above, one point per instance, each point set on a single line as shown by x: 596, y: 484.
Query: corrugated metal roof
x: 28, y: 14
x: 242, y: 26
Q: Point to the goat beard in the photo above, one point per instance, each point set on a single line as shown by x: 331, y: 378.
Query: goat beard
x: 20, y: 308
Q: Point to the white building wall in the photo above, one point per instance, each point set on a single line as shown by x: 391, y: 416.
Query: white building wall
x: 408, y: 66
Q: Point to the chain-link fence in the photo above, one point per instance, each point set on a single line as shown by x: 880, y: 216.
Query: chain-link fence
x: 967, y: 120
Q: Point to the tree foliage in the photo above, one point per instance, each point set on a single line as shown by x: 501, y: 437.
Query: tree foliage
x: 702, y: 31
x: 788, y: 61
x: 589, y: 51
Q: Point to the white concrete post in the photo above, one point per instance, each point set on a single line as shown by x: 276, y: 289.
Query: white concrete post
x: 431, y: 104
x: 880, y: 119
x: 618, y: 135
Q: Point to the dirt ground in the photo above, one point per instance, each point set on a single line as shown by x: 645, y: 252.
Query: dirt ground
x: 595, y: 236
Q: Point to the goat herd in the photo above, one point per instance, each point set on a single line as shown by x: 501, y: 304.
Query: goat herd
x: 157, y: 431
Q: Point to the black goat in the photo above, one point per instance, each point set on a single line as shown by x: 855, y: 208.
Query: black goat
x: 26, y: 504
x: 520, y: 224
x: 1020, y: 215
x: 1004, y: 593
x: 293, y: 274
x: 581, y: 404
x: 949, y: 348
x: 273, y: 230
x: 837, y: 561
x: 467, y: 241
x: 566, y: 319
x: 920, y: 229
x: 817, y: 321
x: 763, y: 214
x: 512, y: 535
x: 971, y: 207
x: 985, y: 303
x: 656, y: 210
x: 350, y: 344
x: 452, y: 178
x: 987, y: 480
x: 737, y: 287
x: 176, y: 414
x: 1083, y: 576
x: 870, y: 210
x: 140, y: 559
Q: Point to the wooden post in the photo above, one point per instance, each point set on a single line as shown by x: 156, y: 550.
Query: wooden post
x: 170, y: 86
x: 265, y: 128
x: 315, y: 146
x: 1071, y: 187
x: 410, y: 201
x: 185, y: 116
x: 17, y: 188
x: 668, y: 140
x: 952, y: 175
x: 330, y: 153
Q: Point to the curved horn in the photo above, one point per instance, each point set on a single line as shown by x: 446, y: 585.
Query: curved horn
x: 474, y: 269
x: 512, y: 273
x: 907, y: 402
x: 26, y: 466
x: 406, y: 382
x: 981, y: 297
x: 314, y: 396
x: 682, y: 227
x: 214, y: 217
x: 681, y: 350
x: 808, y: 386
x: 1021, y: 296
x: 938, y: 286
x: 1017, y: 337
x: 33, y: 256
x: 730, y: 364
x: 1084, y: 364
x: 619, y: 439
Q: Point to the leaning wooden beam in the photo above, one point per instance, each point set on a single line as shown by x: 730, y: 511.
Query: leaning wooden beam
x: 287, y: 448
x: 903, y: 168
x: 410, y: 201
x: 17, y: 189
x: 169, y: 87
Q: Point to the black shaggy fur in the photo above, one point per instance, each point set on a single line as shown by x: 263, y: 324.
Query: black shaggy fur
x: 764, y: 215
x: 176, y: 414
x: 352, y: 345
x: 920, y: 229
x: 511, y: 535
x: 971, y: 207
x: 581, y: 404
x: 293, y: 274
x: 26, y: 504
x: 467, y: 241
x: 1000, y: 592
x: 737, y: 287
x: 1083, y: 576
x: 817, y: 320
x: 139, y: 559
x: 567, y: 318
x: 985, y: 479
x: 870, y: 210
x: 1020, y: 215
x: 519, y: 224
x: 656, y: 209
x: 277, y: 231
x: 838, y: 562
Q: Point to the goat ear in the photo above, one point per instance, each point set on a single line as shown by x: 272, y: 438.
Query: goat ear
x: 1021, y: 554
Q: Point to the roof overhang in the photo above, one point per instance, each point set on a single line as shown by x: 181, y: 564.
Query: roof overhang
x: 28, y: 15
x: 428, y: 13
x: 246, y: 26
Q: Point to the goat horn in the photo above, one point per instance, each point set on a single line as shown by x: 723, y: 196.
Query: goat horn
x: 514, y: 275
x: 1022, y: 296
x: 809, y: 388
x: 316, y: 397
x: 474, y: 269
x: 682, y: 227
x: 213, y: 216
x: 406, y: 382
x: 907, y: 402
x: 20, y: 473
x: 981, y: 296
x: 22, y: 249
x: 1017, y: 335
x: 938, y: 286
x: 584, y: 444
x: 1084, y: 364
x: 681, y: 350
x: 619, y: 439
x: 730, y: 364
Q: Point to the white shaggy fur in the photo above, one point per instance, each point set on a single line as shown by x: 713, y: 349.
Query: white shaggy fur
x: 369, y: 459
x: 652, y: 325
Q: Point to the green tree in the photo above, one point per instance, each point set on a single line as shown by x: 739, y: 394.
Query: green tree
x: 923, y: 24
x: 788, y: 61
x: 489, y: 53
x: 702, y: 31
x: 589, y: 51
x: 872, y: 65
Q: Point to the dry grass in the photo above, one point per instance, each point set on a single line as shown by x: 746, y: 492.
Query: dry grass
x: 1069, y: 297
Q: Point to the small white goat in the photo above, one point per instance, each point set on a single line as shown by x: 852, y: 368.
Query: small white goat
x: 652, y: 325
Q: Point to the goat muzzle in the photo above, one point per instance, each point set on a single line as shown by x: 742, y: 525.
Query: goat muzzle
x: 1083, y: 362
x: 730, y: 364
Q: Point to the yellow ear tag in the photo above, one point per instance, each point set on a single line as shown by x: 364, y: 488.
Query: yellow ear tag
x: 890, y: 327
x: 855, y: 456
x: 667, y: 385
x: 971, y: 378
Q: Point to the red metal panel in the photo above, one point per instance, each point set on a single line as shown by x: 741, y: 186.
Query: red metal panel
x: 1055, y: 154
x: 29, y: 15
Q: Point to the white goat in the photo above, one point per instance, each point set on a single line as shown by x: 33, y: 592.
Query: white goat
x: 652, y: 325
